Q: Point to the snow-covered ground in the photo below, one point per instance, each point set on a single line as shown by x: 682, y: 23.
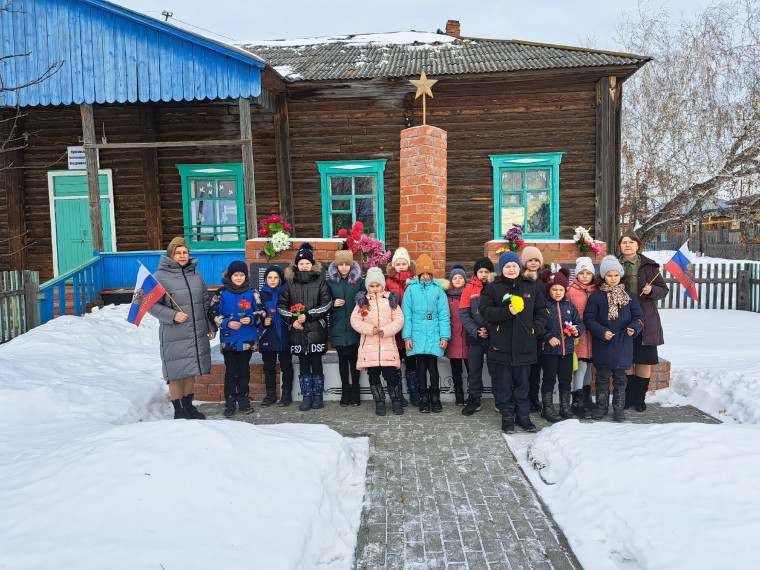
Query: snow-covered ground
x: 665, y: 496
x: 91, y: 476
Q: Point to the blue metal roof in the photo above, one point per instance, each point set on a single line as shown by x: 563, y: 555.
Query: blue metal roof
x: 109, y: 54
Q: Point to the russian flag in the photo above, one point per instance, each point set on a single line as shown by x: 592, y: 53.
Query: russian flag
x: 679, y: 267
x: 147, y: 291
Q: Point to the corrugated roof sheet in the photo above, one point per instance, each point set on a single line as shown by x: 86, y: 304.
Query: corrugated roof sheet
x: 359, y: 57
x: 108, y: 54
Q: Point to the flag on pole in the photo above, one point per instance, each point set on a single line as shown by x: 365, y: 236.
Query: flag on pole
x: 681, y: 268
x: 147, y: 291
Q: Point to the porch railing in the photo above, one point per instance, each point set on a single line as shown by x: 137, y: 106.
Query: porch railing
x: 74, y: 289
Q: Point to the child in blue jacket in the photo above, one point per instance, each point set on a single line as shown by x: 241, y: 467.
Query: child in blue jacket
x: 557, y: 345
x: 274, y: 342
x: 236, y: 310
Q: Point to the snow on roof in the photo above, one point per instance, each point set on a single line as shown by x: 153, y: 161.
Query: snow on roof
x: 390, y: 38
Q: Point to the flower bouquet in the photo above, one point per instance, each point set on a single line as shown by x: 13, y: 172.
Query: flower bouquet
x: 515, y: 301
x: 514, y: 239
x: 569, y: 330
x: 244, y: 307
x: 297, y: 309
x: 373, y: 254
x: 277, y: 232
x: 585, y: 242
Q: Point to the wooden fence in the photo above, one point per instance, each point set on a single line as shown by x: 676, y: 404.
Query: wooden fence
x: 719, y: 286
x: 18, y: 303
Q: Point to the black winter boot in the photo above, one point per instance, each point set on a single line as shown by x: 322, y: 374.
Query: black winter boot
x: 179, y: 409
x: 549, y: 412
x: 244, y: 404
x: 305, y: 380
x: 345, y: 393
x: 192, y: 411
x: 270, y: 381
x: 508, y: 423
x: 471, y: 406
x: 413, y: 386
x: 565, y: 409
x: 588, y: 402
x: 435, y: 404
x: 618, y: 403
x: 578, y: 408
x: 602, y: 404
x: 395, y: 395
x: 424, y: 399
x: 630, y: 395
x: 229, y: 406
x: 379, y: 396
x: 286, y: 391
x: 527, y: 425
x: 356, y: 394
x: 317, y: 391
x: 639, y: 402
x: 458, y: 393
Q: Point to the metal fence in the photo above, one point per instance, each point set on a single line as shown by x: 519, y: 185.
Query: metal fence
x: 725, y: 244
x: 18, y: 303
x: 719, y: 286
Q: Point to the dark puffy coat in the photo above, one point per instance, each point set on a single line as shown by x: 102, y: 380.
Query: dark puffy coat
x: 560, y: 312
x: 309, y: 289
x: 648, y: 268
x: 341, y: 333
x: 185, y: 348
x: 616, y: 353
x: 275, y: 337
x: 225, y: 308
x: 469, y: 313
x: 513, y: 338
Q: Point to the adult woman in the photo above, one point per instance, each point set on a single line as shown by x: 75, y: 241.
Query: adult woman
x: 649, y: 287
x: 185, y: 330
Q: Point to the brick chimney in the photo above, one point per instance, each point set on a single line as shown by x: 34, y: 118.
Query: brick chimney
x: 452, y: 28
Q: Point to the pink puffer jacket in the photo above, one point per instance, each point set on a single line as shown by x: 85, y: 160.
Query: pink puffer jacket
x: 578, y: 295
x: 381, y: 311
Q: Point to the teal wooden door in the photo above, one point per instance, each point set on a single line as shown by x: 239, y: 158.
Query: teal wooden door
x: 72, y: 220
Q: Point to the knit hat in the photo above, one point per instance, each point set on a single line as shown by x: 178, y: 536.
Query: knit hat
x: 424, y: 264
x: 610, y: 263
x: 531, y: 252
x: 305, y: 252
x: 344, y: 256
x: 584, y: 264
x: 237, y: 266
x: 458, y: 269
x: 275, y: 269
x: 174, y: 244
x: 556, y: 278
x: 374, y: 275
x: 507, y: 257
x: 481, y: 263
x: 401, y: 253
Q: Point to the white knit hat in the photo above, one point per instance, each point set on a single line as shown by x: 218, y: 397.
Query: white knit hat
x: 374, y: 275
x: 401, y: 253
x: 584, y: 264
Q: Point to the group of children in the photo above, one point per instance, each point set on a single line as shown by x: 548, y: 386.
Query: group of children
x: 523, y: 324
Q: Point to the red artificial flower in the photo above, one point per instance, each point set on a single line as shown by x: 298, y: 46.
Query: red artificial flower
x: 342, y: 233
x: 297, y: 309
x: 364, y: 311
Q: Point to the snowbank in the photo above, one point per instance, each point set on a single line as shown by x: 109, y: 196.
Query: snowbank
x: 89, y: 480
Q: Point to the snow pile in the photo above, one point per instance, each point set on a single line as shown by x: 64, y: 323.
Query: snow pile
x: 651, y: 496
x: 85, y: 482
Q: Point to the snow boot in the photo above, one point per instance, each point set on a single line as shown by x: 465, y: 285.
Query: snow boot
x: 413, y: 386
x: 508, y: 423
x: 424, y: 399
x: 435, y: 403
x: 602, y: 404
x: 379, y: 396
x: 192, y: 411
x: 549, y: 412
x: 305, y: 380
x: 472, y: 406
x: 630, y: 394
x: 317, y: 391
x: 525, y: 423
x: 639, y: 402
x: 345, y: 393
x: 458, y: 393
x: 618, y: 405
x: 229, y: 406
x: 179, y: 409
x: 579, y: 409
x: 588, y: 402
x: 395, y: 395
x: 565, y: 409
x: 244, y: 404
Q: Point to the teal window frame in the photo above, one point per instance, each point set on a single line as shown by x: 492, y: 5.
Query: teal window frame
x: 214, y: 172
x: 331, y: 169
x: 524, y: 162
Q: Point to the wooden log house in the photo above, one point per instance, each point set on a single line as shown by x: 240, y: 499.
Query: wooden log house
x: 191, y: 136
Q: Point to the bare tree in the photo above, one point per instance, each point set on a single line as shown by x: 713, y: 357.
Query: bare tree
x: 691, y: 117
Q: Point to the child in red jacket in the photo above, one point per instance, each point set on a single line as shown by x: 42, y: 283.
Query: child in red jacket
x: 400, y: 270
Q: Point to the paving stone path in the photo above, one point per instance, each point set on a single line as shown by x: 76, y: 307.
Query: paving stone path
x: 443, y: 490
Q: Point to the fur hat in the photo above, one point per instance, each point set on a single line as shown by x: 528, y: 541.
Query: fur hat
x: 610, y: 263
x: 531, y: 252
x: 584, y: 264
x: 458, y: 269
x: 374, y: 275
x: 344, y: 256
x: 174, y: 244
x: 424, y: 264
x: 237, y: 266
x: 507, y: 257
x: 305, y: 252
x: 552, y: 278
x: 481, y: 263
x: 275, y: 269
x: 401, y: 253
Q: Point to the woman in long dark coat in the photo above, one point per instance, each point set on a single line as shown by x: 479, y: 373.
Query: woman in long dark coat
x: 185, y: 330
x: 648, y: 286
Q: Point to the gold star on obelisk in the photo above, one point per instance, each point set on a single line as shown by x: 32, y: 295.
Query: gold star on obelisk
x: 423, y: 85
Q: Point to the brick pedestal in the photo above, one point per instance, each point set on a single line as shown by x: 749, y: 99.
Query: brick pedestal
x: 422, y: 212
x: 566, y: 251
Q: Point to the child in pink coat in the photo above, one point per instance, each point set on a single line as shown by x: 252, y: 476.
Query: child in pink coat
x: 456, y: 351
x: 377, y: 317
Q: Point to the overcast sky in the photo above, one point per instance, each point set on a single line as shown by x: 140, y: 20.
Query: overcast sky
x: 564, y: 22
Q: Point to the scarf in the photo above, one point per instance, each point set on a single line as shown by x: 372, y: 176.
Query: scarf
x: 236, y: 289
x: 616, y: 298
x: 276, y: 318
